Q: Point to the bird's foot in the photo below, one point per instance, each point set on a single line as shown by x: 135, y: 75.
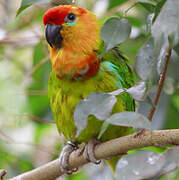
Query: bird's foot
x: 64, y: 158
x: 88, y: 153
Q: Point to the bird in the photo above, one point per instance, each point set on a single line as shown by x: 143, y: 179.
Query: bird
x: 75, y: 45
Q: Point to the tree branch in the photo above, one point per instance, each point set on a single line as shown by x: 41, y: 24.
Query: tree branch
x: 160, y: 85
x: 2, y: 173
x: 113, y: 147
x: 43, y: 61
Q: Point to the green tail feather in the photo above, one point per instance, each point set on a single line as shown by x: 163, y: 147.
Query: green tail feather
x: 113, y: 162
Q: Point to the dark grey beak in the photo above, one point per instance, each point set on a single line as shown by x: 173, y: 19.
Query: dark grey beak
x: 53, y: 36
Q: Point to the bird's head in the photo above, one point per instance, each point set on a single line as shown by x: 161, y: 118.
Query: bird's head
x: 73, y: 35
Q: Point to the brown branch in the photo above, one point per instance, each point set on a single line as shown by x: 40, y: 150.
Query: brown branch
x: 104, y: 150
x: 38, y: 119
x: 122, y: 8
x: 36, y: 92
x: 43, y: 61
x: 39, y: 147
x: 20, y: 41
x: 160, y: 85
x: 110, y: 12
x: 2, y: 173
x: 7, y: 138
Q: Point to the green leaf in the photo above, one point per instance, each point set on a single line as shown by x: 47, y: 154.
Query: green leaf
x: 98, y: 104
x: 103, y: 129
x: 176, y: 48
x: 150, y: 166
x: 115, y: 31
x: 25, y: 4
x: 169, y: 86
x: 162, y: 46
x: 147, y: 1
x: 41, y: 75
x: 167, y: 22
x: 138, y: 91
x: 172, y: 156
x: 78, y: 176
x: 40, y: 79
x: 149, y: 23
x: 165, y: 31
x: 158, y: 8
x: 148, y: 7
x: 118, y: 92
x: 176, y: 41
x: 114, y: 3
x: 61, y: 2
x: 146, y: 62
x: 127, y: 119
x: 41, y: 131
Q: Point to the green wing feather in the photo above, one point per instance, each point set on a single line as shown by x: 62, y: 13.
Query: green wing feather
x: 122, y: 71
x: 126, y: 80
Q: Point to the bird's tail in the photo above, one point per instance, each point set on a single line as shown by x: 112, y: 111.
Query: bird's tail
x: 112, y: 162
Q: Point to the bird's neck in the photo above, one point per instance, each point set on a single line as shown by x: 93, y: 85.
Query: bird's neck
x: 77, y: 66
x: 77, y: 59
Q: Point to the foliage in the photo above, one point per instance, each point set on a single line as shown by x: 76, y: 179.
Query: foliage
x: 154, y: 164
x: 24, y: 67
x: 115, y: 31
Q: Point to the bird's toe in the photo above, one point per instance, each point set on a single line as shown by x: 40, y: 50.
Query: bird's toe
x: 64, y: 158
x: 89, y: 152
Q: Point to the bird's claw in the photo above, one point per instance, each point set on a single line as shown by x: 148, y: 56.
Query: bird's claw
x: 64, y: 158
x: 89, y: 152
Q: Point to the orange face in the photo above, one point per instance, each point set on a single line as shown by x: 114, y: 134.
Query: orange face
x: 73, y: 35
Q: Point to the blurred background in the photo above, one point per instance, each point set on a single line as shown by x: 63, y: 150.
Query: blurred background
x: 28, y: 135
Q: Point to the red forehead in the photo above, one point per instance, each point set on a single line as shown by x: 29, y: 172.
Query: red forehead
x: 56, y: 15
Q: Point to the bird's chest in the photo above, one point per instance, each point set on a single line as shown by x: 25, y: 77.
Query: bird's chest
x: 64, y: 95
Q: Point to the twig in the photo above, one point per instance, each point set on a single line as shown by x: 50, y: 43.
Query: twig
x: 9, y: 139
x: 2, y: 173
x: 132, y: 6
x: 38, y: 119
x: 43, y: 61
x: 160, y: 85
x: 20, y: 41
x: 104, y: 150
x: 35, y: 92
x: 39, y: 147
x: 117, y: 9
x: 110, y: 12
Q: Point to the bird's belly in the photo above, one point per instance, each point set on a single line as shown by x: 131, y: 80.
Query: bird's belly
x: 67, y: 95
x: 66, y: 102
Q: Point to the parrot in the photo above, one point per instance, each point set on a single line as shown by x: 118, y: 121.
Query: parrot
x: 74, y: 43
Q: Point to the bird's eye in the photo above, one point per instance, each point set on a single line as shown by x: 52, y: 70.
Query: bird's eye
x: 70, y: 17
